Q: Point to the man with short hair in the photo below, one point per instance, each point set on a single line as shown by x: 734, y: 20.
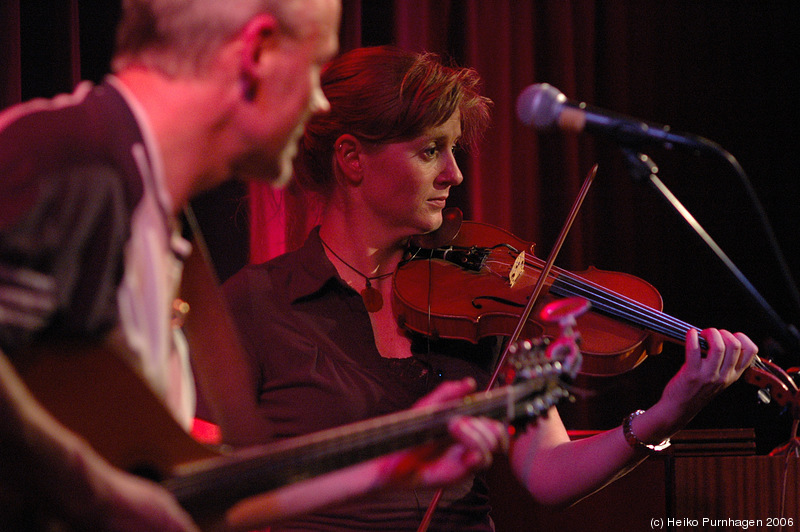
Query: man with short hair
x: 91, y: 188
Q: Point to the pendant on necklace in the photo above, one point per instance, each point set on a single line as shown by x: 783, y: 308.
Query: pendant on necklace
x: 373, y: 299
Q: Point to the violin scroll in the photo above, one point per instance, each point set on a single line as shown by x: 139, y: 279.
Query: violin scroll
x: 774, y: 384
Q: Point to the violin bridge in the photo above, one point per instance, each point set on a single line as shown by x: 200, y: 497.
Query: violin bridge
x: 516, y: 269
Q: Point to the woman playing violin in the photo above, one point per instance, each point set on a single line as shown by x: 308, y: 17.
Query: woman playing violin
x: 318, y: 323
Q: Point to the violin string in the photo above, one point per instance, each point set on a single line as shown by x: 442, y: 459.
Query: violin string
x: 622, y: 306
x: 619, y: 305
x: 601, y: 298
x: 612, y: 303
x: 635, y: 312
x: 679, y: 327
x: 493, y: 272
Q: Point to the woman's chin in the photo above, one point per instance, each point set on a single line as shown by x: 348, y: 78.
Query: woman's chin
x: 432, y: 224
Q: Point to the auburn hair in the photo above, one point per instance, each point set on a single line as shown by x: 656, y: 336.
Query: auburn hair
x: 384, y: 94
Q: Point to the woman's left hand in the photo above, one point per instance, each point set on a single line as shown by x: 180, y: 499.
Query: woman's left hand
x: 705, y: 374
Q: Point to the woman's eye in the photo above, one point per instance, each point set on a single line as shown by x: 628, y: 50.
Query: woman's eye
x: 434, y: 150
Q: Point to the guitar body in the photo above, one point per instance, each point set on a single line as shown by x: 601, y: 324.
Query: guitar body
x: 92, y: 390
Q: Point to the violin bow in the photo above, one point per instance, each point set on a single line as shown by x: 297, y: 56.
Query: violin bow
x: 537, y: 290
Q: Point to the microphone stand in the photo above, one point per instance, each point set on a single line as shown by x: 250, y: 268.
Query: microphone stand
x: 643, y: 168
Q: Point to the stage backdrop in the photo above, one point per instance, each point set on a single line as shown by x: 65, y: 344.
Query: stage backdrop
x: 725, y: 70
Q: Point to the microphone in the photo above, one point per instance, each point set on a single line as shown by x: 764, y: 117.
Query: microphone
x: 544, y: 107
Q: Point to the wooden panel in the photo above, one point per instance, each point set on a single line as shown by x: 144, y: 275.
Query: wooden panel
x: 628, y: 504
x: 711, y: 474
x: 735, y: 487
x: 711, y: 480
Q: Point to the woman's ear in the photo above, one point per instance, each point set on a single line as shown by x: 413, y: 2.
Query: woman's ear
x: 347, y: 154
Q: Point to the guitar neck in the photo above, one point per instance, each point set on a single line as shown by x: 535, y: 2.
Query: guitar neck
x: 211, y: 486
x: 93, y: 391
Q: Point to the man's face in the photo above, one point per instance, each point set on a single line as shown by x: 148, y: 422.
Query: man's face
x: 291, y: 93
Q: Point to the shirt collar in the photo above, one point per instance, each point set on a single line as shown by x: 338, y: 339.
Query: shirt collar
x: 151, y: 146
x: 155, y: 178
x: 316, y: 272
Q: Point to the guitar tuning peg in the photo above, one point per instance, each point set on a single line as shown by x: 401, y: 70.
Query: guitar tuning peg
x: 564, y: 311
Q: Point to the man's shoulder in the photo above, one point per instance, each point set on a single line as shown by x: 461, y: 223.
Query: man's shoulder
x: 51, y: 146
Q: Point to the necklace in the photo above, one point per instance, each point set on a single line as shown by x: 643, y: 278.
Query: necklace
x: 373, y: 300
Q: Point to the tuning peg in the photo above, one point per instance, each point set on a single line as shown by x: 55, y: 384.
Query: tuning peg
x: 564, y: 311
x: 763, y: 396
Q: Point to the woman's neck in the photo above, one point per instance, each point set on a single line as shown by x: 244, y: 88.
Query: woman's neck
x: 353, y: 244
x: 361, y: 245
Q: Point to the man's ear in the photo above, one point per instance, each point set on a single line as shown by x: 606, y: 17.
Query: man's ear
x: 347, y: 153
x: 259, y: 35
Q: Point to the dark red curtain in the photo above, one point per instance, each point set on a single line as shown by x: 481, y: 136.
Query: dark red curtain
x: 717, y: 69
x: 723, y: 70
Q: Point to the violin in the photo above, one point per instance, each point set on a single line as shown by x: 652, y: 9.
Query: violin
x: 468, y: 292
x: 479, y: 282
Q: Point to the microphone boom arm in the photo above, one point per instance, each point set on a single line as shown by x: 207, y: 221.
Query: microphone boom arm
x: 643, y: 168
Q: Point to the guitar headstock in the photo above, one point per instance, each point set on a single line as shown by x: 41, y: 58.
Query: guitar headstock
x: 542, y: 369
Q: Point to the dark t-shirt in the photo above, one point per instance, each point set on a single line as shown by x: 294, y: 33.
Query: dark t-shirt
x: 68, y: 186
x: 310, y: 344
